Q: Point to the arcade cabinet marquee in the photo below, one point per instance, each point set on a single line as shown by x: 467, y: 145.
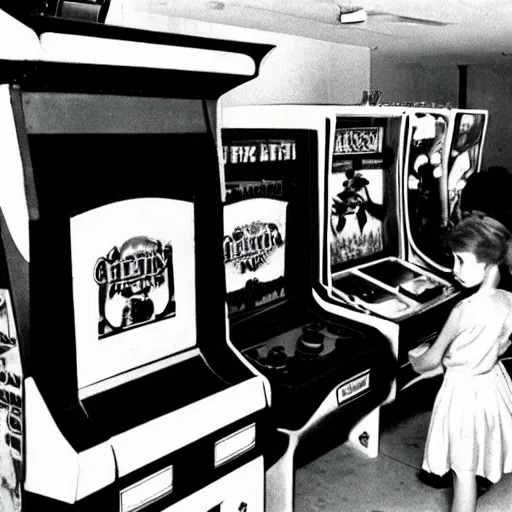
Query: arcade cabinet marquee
x: 113, y: 346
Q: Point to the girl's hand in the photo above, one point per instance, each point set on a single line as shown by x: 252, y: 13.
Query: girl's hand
x: 414, y: 363
x: 416, y: 357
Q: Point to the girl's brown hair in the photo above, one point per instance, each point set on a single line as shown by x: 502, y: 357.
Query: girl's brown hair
x: 488, y: 239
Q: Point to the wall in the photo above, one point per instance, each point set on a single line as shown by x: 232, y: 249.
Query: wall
x: 490, y: 88
x: 302, y: 70
x: 401, y: 81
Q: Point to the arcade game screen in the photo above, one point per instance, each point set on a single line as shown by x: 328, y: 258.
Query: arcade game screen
x: 130, y: 216
x: 254, y: 252
x: 426, y: 203
x: 361, y: 191
x: 464, y: 158
x: 259, y: 185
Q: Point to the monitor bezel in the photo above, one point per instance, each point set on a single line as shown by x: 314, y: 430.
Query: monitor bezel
x: 298, y: 262
x: 391, y: 189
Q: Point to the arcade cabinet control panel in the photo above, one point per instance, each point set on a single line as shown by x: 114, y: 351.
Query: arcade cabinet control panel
x: 306, y: 354
x: 391, y: 288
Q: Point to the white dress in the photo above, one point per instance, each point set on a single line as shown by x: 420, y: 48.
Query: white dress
x: 471, y: 424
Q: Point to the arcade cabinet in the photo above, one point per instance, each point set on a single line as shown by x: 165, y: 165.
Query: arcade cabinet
x: 326, y: 372
x: 118, y: 388
x: 444, y: 150
x: 425, y: 169
x: 405, y: 277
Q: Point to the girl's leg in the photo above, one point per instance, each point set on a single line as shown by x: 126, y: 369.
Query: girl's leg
x: 464, y: 491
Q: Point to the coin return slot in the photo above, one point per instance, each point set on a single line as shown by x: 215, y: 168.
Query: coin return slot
x: 147, y: 491
x: 235, y: 445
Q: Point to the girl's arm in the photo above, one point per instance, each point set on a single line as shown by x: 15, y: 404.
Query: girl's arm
x: 434, y: 355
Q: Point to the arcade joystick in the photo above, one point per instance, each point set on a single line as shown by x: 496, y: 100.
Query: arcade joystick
x: 277, y: 358
x: 314, y: 326
x: 310, y: 342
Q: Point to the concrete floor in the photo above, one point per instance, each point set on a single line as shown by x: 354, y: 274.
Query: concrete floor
x: 343, y: 480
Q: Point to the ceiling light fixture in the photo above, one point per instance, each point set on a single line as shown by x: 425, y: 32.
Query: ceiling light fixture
x: 352, y: 14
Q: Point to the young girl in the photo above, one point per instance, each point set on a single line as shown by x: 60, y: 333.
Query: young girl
x: 470, y: 431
